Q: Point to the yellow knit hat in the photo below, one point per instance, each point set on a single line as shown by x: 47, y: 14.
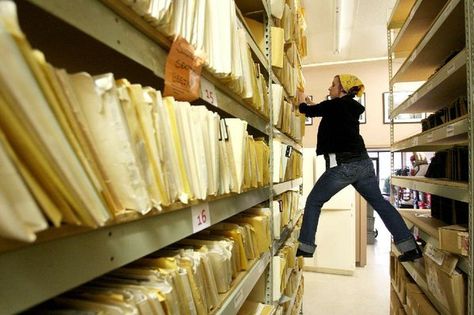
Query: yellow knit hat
x: 348, y: 81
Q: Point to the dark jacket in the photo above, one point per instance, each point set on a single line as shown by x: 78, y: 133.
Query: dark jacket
x: 339, y: 127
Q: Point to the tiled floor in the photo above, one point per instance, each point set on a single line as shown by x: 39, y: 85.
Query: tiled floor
x: 367, y: 292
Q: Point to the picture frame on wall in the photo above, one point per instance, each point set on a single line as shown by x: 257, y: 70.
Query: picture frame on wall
x: 361, y: 100
x: 398, y: 98
x: 308, y: 121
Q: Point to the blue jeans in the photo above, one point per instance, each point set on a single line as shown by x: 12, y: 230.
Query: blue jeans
x: 361, y: 175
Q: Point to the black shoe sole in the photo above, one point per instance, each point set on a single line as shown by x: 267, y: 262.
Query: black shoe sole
x: 403, y: 258
x: 304, y: 254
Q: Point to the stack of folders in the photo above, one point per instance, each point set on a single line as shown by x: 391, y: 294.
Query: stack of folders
x: 188, y: 277
x: 44, y: 162
x: 214, y: 30
x: 286, y: 117
x: 290, y: 15
x: 285, y: 267
x: 296, y: 291
x: 293, y: 71
x: 285, y: 209
x: 293, y: 288
x: 81, y: 150
x: 287, y: 162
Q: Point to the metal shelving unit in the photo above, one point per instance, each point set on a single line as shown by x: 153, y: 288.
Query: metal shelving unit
x: 440, y: 187
x: 278, y: 243
x: 293, y: 298
x: 417, y: 272
x: 399, y: 13
x: 277, y: 81
x: 439, y: 90
x: 428, y: 231
x: 454, y: 28
x: 288, y: 140
x: 429, y: 54
x: 452, y: 133
x: 238, y: 295
x: 250, y: 7
x: 98, y: 251
x: 285, y: 186
x: 416, y: 24
x: 67, y: 257
x: 399, y: 296
x: 256, y: 51
x: 139, y: 42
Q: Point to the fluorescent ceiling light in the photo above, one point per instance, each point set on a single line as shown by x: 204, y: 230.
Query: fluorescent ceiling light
x: 337, y: 26
x: 332, y: 63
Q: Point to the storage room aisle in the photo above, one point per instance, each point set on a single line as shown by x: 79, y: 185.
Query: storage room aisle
x: 367, y: 292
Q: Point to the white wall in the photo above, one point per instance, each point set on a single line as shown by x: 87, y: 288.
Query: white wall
x: 374, y: 75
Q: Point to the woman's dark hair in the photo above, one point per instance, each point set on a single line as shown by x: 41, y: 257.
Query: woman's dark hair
x: 353, y: 91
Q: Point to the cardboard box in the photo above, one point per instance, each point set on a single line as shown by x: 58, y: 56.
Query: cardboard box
x: 444, y: 282
x: 399, y: 277
x: 454, y: 239
x: 417, y: 302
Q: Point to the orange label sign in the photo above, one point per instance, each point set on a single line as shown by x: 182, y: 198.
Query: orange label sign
x: 182, y: 72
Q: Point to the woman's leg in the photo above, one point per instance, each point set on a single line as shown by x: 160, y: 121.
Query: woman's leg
x: 331, y: 182
x: 367, y: 186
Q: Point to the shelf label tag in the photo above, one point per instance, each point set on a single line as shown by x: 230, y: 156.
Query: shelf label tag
x: 430, y: 137
x: 239, y: 299
x: 201, y: 217
x: 208, y: 92
x: 182, y: 71
x: 450, y: 130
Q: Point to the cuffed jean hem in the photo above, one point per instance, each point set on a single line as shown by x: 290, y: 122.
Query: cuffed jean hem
x: 405, y: 245
x: 307, y: 248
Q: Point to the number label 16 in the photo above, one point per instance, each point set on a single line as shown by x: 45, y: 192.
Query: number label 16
x: 201, y: 217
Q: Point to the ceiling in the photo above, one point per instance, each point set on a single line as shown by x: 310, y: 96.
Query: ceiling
x: 363, y: 30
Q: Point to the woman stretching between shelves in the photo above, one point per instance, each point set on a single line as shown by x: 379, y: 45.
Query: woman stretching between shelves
x: 347, y: 163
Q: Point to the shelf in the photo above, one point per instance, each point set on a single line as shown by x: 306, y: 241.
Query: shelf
x: 415, y: 26
x: 256, y: 51
x: 428, y: 231
x: 278, y: 243
x: 280, y: 188
x: 95, y: 252
x: 430, y: 54
x: 276, y: 80
x: 417, y: 272
x: 287, y: 140
x: 238, y: 295
x: 399, y: 296
x: 440, y: 90
x: 452, y: 133
x: 131, y: 36
x: 293, y: 298
x: 441, y: 187
x: 400, y: 13
x: 249, y: 7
